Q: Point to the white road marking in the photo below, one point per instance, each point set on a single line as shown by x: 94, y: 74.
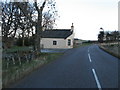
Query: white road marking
x: 88, y: 51
x: 94, y: 73
x: 96, y: 79
x: 89, y: 57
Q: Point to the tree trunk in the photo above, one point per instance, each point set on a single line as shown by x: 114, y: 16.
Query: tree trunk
x: 38, y: 32
x: 23, y: 38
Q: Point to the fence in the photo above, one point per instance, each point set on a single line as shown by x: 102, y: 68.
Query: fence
x: 10, y: 60
x: 17, y: 65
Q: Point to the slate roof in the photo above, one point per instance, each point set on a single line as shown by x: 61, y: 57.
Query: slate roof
x: 57, y: 33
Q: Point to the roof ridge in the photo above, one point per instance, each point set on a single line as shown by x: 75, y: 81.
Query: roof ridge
x: 56, y: 29
x: 57, y: 33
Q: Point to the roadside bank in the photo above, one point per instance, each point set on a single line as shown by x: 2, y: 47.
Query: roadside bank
x: 113, y: 49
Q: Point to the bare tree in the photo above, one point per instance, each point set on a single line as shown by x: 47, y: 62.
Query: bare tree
x: 50, y: 16
x: 109, y: 36
x: 10, y: 22
x: 38, y: 22
x: 101, y: 36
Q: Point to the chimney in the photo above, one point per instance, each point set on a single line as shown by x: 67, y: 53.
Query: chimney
x: 72, y: 27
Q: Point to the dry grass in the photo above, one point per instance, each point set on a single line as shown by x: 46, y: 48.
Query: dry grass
x: 15, y: 73
x: 113, y: 49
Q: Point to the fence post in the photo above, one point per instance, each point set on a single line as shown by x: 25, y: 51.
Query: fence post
x: 7, y: 63
x: 27, y: 58
x: 19, y: 60
x: 13, y: 60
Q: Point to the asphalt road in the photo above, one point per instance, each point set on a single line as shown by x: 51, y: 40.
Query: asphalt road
x: 87, y: 67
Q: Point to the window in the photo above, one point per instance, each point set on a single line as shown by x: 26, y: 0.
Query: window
x: 69, y: 42
x: 54, y: 42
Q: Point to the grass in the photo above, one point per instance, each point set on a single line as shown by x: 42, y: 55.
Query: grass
x: 17, y: 48
x: 14, y: 73
x: 82, y: 45
x: 112, y: 49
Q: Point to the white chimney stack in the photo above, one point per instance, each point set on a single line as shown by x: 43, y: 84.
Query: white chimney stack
x: 72, y: 27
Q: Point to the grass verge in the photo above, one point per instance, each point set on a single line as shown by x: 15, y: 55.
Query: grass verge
x: 15, y: 73
x: 113, y: 50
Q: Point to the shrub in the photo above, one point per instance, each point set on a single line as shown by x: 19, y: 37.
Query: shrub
x: 27, y: 41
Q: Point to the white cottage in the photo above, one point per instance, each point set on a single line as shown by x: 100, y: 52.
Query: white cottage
x: 58, y: 38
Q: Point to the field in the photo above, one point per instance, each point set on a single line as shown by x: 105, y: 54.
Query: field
x: 82, y: 45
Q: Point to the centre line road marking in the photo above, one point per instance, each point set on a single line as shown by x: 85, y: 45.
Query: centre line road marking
x: 89, y: 50
x: 96, y: 79
x: 89, y: 57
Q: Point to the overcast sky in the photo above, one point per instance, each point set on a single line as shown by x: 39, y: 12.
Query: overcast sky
x: 88, y: 16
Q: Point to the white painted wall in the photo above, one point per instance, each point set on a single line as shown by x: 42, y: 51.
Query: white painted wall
x: 72, y: 40
x: 61, y: 43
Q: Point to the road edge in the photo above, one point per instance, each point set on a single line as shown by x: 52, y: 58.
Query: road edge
x: 106, y: 50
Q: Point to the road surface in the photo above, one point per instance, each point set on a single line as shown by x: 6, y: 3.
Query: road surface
x: 87, y: 67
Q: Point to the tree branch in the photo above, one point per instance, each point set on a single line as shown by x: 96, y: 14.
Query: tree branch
x: 35, y: 4
x: 43, y: 5
x: 25, y: 12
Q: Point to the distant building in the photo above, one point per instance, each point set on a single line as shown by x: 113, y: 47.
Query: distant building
x: 58, y: 38
x: 77, y: 41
